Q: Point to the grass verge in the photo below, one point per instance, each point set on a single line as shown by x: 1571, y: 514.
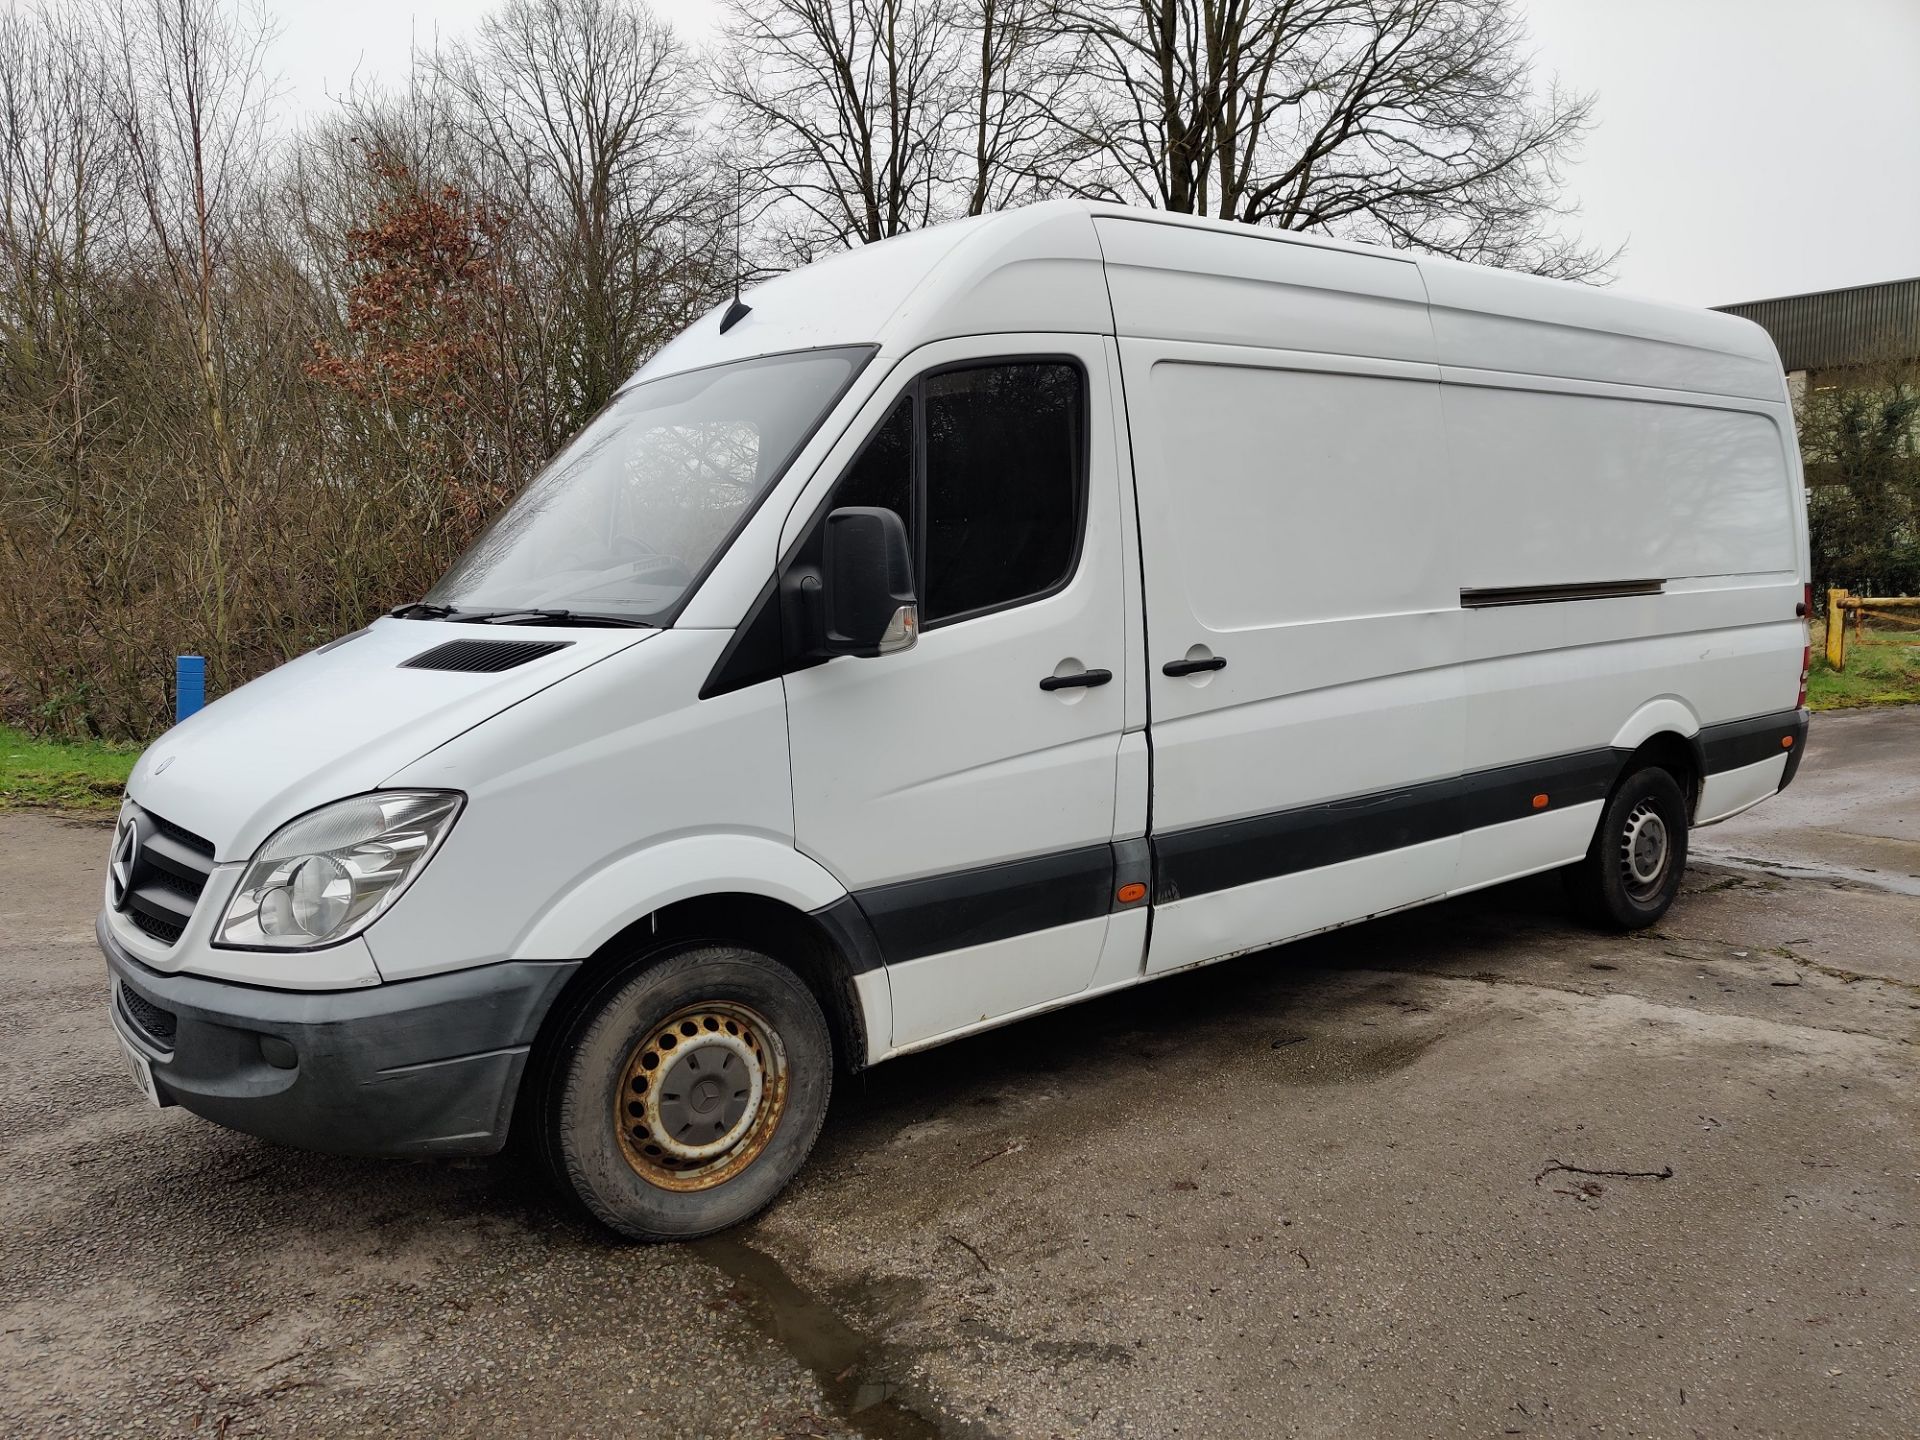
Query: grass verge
x: 57, y: 775
x: 1883, y: 668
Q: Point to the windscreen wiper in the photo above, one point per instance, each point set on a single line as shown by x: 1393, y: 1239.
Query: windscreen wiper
x: 552, y: 617
x: 422, y: 610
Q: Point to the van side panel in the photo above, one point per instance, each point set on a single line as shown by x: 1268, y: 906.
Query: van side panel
x: 1287, y: 523
x: 1287, y: 441
x: 1442, y: 591
x: 1558, y: 489
x: 1689, y: 498
x: 1642, y: 452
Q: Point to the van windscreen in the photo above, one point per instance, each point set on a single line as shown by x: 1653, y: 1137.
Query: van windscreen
x: 627, y: 518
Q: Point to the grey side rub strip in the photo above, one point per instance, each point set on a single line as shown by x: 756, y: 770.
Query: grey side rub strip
x: 940, y: 913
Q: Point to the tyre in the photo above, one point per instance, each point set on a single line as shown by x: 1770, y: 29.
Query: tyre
x: 686, y: 1094
x: 1639, y: 854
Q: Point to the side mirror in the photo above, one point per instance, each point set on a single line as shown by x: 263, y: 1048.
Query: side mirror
x: 866, y: 602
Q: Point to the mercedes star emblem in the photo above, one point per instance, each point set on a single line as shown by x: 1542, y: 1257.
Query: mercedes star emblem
x: 126, y: 854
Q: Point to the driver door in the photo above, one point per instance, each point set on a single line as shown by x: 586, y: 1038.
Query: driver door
x: 968, y: 809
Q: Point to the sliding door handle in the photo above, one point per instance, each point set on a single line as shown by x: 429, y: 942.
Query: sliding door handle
x: 1086, y: 678
x: 1177, y: 668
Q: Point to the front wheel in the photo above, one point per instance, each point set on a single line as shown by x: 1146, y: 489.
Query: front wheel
x: 690, y: 1094
x: 1638, y: 856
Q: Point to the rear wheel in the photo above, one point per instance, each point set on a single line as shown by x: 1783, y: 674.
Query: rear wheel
x: 685, y: 1097
x: 1639, y: 853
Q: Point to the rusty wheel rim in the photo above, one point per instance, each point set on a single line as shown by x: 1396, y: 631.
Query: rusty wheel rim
x: 700, y: 1096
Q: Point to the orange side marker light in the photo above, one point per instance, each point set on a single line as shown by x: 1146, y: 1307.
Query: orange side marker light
x: 1786, y: 742
x: 1539, y: 802
x: 1128, y: 894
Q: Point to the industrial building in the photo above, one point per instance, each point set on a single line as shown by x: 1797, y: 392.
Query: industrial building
x: 1829, y: 332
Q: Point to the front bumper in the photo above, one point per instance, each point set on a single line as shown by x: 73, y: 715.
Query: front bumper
x: 415, y: 1067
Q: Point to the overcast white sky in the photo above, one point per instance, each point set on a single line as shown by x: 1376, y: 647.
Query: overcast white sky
x: 1745, y: 148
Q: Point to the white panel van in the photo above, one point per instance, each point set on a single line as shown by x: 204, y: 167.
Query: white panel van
x: 949, y: 631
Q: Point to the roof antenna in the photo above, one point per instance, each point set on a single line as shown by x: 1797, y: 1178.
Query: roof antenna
x: 739, y: 310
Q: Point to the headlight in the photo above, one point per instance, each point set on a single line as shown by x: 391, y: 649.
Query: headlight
x: 325, y: 877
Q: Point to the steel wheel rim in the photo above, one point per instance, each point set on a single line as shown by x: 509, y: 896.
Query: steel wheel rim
x: 1646, y: 851
x: 700, y: 1095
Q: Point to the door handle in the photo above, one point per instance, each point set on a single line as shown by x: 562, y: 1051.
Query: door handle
x: 1086, y: 678
x: 1177, y: 668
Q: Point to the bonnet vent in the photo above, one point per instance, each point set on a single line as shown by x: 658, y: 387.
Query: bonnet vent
x: 482, y: 656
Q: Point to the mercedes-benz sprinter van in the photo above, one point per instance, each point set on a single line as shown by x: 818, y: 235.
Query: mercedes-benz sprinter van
x: 951, y: 630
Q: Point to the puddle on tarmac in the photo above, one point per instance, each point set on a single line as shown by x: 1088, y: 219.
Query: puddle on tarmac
x: 819, y: 1339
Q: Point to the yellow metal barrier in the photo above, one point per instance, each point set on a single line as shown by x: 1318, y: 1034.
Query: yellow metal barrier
x: 1840, y: 603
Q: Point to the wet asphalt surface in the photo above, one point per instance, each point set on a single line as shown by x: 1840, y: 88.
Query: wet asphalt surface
x: 1468, y: 1170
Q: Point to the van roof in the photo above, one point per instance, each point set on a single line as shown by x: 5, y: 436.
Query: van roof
x: 1039, y: 269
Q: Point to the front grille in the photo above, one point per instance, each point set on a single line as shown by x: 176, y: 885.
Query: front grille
x: 149, y: 1019
x: 185, y: 837
x: 159, y: 929
x: 169, y: 872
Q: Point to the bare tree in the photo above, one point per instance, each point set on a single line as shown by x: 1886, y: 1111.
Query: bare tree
x: 189, y: 100
x: 579, y: 116
x: 1409, y: 122
x: 844, y: 113
x: 1013, y: 92
x: 63, y: 478
x: 58, y: 197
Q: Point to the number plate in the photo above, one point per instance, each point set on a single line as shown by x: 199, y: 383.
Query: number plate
x: 139, y: 1068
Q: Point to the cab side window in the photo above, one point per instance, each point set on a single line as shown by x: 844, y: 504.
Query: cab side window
x: 986, y: 467
x: 1003, y: 485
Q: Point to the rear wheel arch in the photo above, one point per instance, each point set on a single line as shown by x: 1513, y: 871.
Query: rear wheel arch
x: 1665, y: 732
x: 1679, y: 755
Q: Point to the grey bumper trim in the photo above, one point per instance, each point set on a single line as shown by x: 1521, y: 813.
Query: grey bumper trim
x: 413, y: 1067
